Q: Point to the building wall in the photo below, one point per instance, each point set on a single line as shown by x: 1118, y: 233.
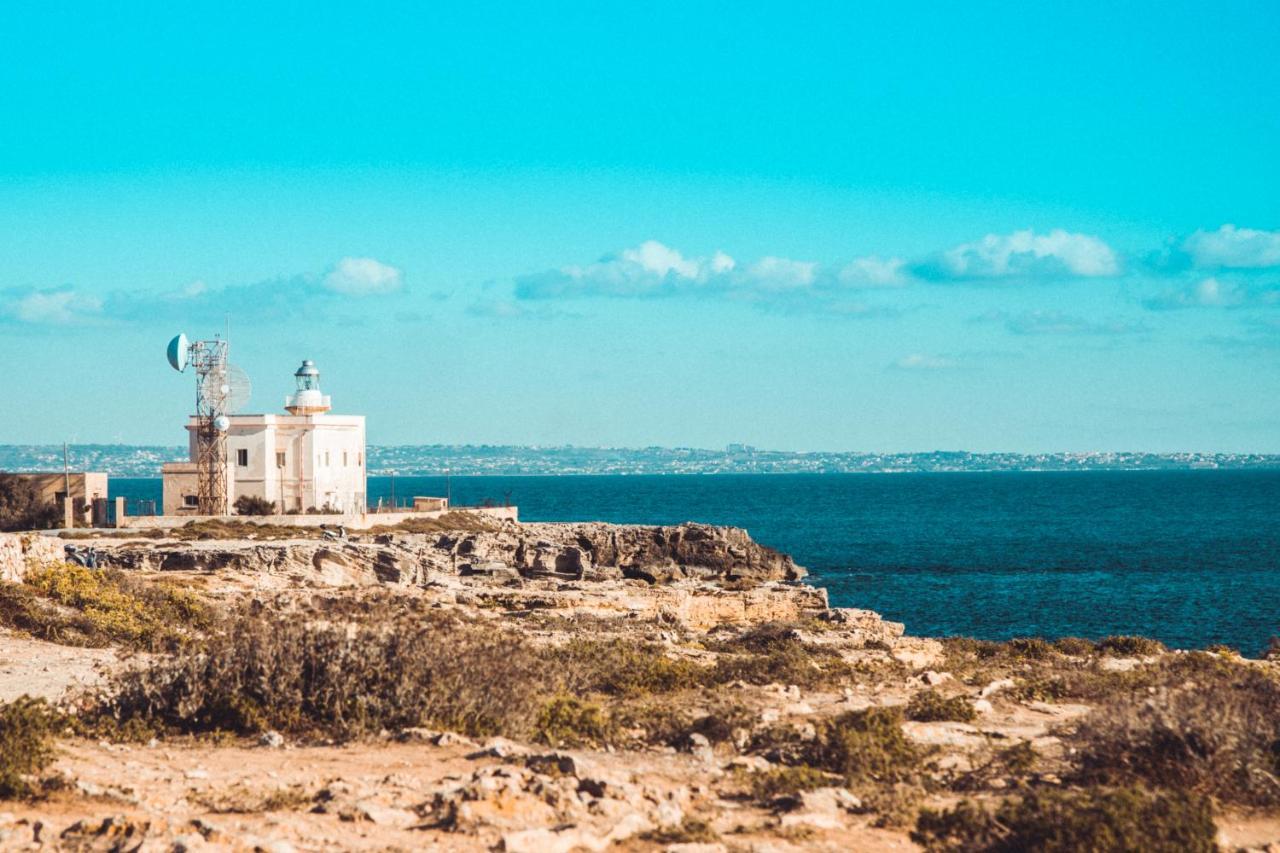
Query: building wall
x: 323, y: 462
x: 86, y: 485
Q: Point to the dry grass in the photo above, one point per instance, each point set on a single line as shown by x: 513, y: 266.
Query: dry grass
x: 1217, y: 734
x: 450, y: 522
x: 1127, y: 819
x: 620, y: 667
x: 259, y: 671
x: 69, y: 604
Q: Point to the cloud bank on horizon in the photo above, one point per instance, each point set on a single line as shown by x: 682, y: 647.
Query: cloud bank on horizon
x: 1228, y: 267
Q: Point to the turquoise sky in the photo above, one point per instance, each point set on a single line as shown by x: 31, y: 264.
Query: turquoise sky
x: 1019, y: 226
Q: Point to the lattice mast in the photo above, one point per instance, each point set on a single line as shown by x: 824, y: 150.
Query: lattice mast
x: 221, y: 389
x: 209, y: 358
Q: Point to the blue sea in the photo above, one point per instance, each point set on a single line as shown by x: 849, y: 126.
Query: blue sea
x: 1189, y: 557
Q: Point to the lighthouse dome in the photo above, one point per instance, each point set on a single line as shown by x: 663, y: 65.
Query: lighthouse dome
x: 307, y: 400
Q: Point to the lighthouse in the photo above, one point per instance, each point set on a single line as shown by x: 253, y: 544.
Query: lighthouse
x: 308, y: 460
x: 307, y: 400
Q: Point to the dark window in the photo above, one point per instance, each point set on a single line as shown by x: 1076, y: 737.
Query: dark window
x: 279, y: 460
x: 242, y: 458
x: 190, y: 500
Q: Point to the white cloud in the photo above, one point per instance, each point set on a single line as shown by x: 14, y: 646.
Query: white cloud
x: 1233, y: 248
x: 873, y: 271
x: 650, y: 269
x: 51, y: 306
x: 1209, y: 293
x: 653, y: 269
x: 1058, y: 323
x: 923, y: 361
x: 780, y: 274
x: 1025, y: 254
x: 362, y: 277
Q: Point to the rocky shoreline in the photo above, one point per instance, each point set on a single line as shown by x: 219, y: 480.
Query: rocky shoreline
x: 563, y: 687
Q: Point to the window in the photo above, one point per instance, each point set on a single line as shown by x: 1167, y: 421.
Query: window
x: 344, y: 459
x: 359, y: 459
x: 190, y: 500
x: 242, y: 458
x: 326, y: 459
x: 279, y: 460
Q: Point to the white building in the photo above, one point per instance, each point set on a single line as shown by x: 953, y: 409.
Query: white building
x: 305, y: 460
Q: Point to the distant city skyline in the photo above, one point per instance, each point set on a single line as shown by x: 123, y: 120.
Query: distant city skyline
x: 508, y: 460
x: 986, y: 227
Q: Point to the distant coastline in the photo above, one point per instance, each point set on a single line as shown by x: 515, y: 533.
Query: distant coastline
x: 123, y: 460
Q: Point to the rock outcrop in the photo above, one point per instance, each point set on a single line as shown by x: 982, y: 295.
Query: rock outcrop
x: 589, y: 551
x: 18, y: 550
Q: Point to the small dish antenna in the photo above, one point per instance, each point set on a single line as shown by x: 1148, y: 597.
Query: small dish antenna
x: 178, y: 356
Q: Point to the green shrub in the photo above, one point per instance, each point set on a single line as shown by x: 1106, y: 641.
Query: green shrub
x: 787, y: 781
x: 1219, y: 736
x: 1103, y: 821
x: 398, y: 669
x: 1028, y: 648
x: 26, y: 745
x: 690, y: 831
x: 865, y: 746
x: 1075, y: 646
x: 1130, y: 647
x: 620, y: 667
x: 21, y: 507
x: 254, y: 505
x: 930, y: 706
x: 24, y: 609
x: 567, y: 721
x: 789, y: 663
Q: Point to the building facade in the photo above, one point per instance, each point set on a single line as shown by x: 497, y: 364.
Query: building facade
x: 305, y: 460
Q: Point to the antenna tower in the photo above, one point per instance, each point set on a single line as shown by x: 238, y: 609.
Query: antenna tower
x: 221, y: 389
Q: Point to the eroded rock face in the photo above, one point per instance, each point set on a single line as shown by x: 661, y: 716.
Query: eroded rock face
x: 691, y: 575
x: 594, y: 549
x: 589, y: 551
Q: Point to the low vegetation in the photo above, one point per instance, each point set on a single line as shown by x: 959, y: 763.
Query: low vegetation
x: 1216, y: 736
x: 73, y: 605
x: 621, y: 667
x: 257, y: 671
x: 26, y: 745
x: 254, y: 505
x: 866, y: 746
x: 567, y: 721
x: 777, y: 782
x: 21, y: 507
x: 1124, y: 819
x: 929, y: 706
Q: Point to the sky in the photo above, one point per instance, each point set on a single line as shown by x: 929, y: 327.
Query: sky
x: 827, y: 226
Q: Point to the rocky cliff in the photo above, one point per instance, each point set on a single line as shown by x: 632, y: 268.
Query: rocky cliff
x: 588, y: 551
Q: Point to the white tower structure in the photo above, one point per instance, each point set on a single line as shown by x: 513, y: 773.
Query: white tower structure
x: 308, y: 460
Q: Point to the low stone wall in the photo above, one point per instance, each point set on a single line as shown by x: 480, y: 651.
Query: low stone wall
x: 362, y: 521
x: 19, y: 549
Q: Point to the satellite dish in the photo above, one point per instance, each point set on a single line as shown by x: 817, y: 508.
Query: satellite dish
x: 229, y: 389
x: 222, y: 423
x: 178, y: 353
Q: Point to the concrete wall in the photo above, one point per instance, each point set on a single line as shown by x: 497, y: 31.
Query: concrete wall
x: 359, y: 521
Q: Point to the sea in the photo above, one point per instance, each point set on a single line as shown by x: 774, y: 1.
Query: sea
x: 1188, y: 557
